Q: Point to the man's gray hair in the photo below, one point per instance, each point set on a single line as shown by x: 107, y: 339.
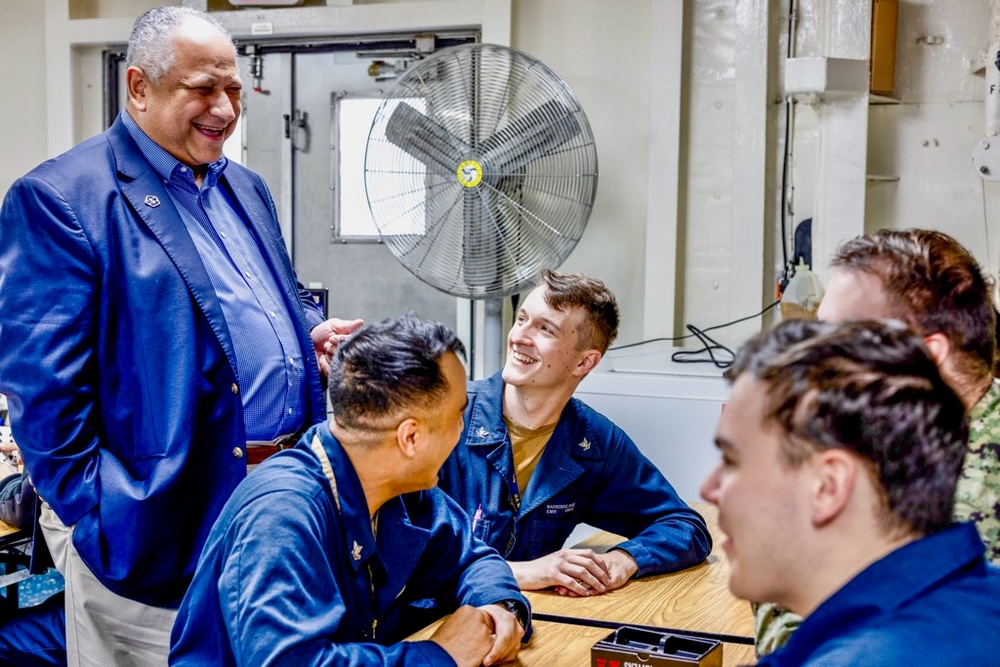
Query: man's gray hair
x: 151, y: 44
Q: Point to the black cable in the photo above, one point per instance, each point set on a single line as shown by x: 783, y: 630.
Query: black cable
x: 693, y: 329
x: 784, y: 190
x: 614, y: 625
x: 711, y: 346
x: 744, y: 319
x: 648, y: 341
x: 788, y: 267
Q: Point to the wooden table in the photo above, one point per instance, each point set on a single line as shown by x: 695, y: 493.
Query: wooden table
x: 12, y: 541
x: 551, y: 645
x: 696, y: 599
x: 7, y: 529
x: 568, y: 645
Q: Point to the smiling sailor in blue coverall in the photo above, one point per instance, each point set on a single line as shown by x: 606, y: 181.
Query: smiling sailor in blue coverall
x: 533, y: 462
x: 321, y: 552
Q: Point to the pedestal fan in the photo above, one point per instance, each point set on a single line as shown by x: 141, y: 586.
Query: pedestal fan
x: 480, y: 171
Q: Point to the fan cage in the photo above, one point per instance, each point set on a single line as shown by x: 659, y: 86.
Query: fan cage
x: 480, y: 170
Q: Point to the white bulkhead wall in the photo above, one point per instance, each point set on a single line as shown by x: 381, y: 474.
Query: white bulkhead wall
x: 858, y: 164
x: 928, y: 138
x: 708, y: 251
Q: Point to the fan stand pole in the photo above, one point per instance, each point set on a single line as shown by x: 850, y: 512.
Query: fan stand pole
x: 493, y: 336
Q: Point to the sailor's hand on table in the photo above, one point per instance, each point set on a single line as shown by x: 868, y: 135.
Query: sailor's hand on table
x: 578, y: 570
x: 507, y: 634
x: 619, y: 566
x: 467, y: 636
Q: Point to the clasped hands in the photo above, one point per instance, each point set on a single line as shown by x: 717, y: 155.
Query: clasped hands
x: 576, y: 572
x: 487, y: 635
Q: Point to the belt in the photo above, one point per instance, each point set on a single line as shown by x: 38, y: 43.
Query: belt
x: 258, y: 450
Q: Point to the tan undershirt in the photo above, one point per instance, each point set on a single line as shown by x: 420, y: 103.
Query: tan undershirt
x: 528, y: 446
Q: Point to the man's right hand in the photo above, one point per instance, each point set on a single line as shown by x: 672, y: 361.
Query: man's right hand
x: 467, y: 636
x: 580, y: 571
x: 327, y: 336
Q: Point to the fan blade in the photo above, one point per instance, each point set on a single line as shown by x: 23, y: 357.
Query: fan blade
x: 529, y: 137
x: 425, y: 139
x: 480, y: 243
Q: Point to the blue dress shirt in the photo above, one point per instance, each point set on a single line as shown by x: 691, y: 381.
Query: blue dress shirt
x: 270, y: 363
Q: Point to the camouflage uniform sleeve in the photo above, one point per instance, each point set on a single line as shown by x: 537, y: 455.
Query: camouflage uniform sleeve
x: 773, y: 626
x: 977, y: 497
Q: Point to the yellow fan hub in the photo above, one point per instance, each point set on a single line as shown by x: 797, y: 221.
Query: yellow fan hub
x: 470, y: 173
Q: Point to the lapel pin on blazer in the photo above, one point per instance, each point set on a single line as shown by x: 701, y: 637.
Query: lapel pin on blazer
x: 151, y: 201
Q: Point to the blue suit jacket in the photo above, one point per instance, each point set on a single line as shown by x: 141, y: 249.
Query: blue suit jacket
x: 118, y: 364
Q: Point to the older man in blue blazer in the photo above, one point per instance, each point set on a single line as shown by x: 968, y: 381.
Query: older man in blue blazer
x: 151, y: 326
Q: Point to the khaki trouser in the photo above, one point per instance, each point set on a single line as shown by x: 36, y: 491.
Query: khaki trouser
x: 103, y: 628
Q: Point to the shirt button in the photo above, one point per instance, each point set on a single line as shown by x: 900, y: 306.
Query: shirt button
x: 290, y: 411
x: 274, y: 314
x: 237, y: 452
x: 235, y: 388
x: 222, y: 234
